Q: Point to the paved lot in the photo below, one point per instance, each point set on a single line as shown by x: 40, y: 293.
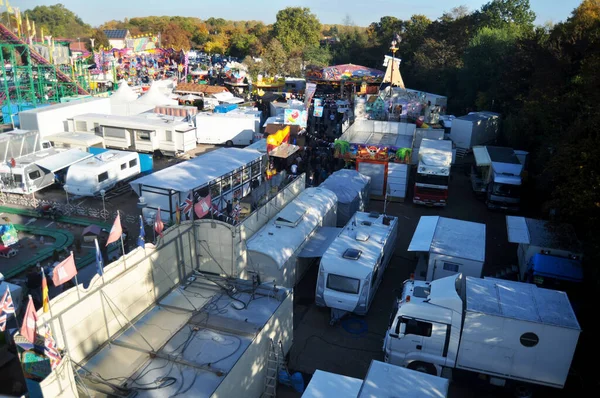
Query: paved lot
x: 331, y: 348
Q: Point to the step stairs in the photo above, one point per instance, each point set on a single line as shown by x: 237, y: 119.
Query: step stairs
x: 274, y: 363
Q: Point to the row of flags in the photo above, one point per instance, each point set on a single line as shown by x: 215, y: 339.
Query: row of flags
x: 62, y: 273
x: 16, y: 11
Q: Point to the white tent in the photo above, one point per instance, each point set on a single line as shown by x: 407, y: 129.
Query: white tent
x: 352, y: 191
x: 120, y: 100
x: 152, y: 98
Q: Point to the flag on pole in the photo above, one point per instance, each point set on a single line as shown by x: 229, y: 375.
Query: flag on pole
x: 2, y: 2
x: 7, y: 307
x: 158, y: 224
x: 203, y: 206
x: 64, y: 271
x: 188, y: 206
x: 33, y: 32
x: 28, y: 329
x: 116, y: 231
x: 27, y: 24
x: 141, y: 239
x: 50, y: 349
x: 45, y: 301
x: 99, y: 262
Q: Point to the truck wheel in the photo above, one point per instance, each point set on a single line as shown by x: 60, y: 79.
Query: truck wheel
x: 229, y: 143
x: 423, y: 367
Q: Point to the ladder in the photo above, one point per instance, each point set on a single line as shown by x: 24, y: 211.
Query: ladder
x: 272, y: 373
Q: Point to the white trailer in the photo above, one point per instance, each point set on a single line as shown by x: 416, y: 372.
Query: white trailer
x: 275, y: 252
x: 433, y: 173
x: 476, y: 128
x: 102, y: 172
x: 237, y: 127
x: 502, y: 330
x: 38, y: 170
x: 382, y: 380
x: 148, y: 133
x: 352, y: 191
x: 53, y: 119
x: 447, y: 246
x: 352, y: 268
x: 75, y: 140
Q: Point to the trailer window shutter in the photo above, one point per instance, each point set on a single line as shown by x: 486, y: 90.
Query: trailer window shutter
x: 80, y: 125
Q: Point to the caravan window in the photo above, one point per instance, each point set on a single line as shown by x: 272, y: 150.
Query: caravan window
x: 34, y: 175
x: 343, y: 284
x: 123, y: 166
x: 256, y: 168
x: 133, y: 163
x: 451, y: 267
x: 226, y: 184
x: 215, y: 189
x: 143, y: 135
x: 237, y: 178
x: 80, y: 125
x: 103, y: 176
x: 18, y: 178
x: 246, y: 174
x: 168, y: 135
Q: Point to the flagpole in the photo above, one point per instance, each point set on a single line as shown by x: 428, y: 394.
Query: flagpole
x: 76, y: 281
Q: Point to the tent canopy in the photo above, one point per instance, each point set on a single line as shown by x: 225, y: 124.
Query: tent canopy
x: 341, y: 73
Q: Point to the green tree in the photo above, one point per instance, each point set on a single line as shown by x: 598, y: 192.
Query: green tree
x: 274, y: 58
x: 296, y: 28
x: 316, y: 55
x: 499, y: 13
x: 100, y: 39
x: 58, y: 21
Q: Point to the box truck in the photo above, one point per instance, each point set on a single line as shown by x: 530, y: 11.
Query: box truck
x: 504, y: 331
x: 433, y: 173
x: 476, y: 128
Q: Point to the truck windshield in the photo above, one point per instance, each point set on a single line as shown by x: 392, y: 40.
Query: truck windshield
x: 512, y: 191
x: 343, y: 284
x: 432, y: 179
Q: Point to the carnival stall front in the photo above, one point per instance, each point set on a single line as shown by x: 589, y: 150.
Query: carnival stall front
x: 382, y: 151
x: 357, y: 77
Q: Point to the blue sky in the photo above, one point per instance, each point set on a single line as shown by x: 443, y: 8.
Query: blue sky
x: 361, y: 12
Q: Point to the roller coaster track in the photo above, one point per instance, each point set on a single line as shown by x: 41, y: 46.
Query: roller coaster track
x: 7, y: 36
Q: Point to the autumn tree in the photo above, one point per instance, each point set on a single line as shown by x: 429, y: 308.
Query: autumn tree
x: 100, y: 40
x: 176, y: 37
x: 297, y: 28
x: 274, y: 58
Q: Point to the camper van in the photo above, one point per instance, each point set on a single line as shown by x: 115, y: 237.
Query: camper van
x: 352, y: 267
x: 102, y: 172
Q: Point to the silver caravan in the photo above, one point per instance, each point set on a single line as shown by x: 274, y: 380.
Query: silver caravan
x: 35, y: 171
x: 150, y: 133
x: 102, y: 172
x: 352, y: 267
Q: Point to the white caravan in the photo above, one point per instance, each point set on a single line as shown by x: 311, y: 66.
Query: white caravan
x: 237, y: 127
x: 447, y: 246
x: 275, y: 251
x: 141, y: 133
x: 352, y: 267
x: 502, y: 330
x: 38, y: 170
x: 102, y: 172
x: 382, y: 380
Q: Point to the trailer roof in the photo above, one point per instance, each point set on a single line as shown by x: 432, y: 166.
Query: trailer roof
x: 334, y: 262
x: 346, y: 184
x: 450, y: 237
x: 148, y: 121
x: 62, y: 160
x: 523, y: 301
x: 386, y: 380
x: 75, y: 138
x: 435, y: 156
x: 325, y: 384
x: 502, y: 155
x: 477, y: 116
x: 542, y: 233
x: 54, y: 107
x: 285, y: 233
x: 99, y: 162
x: 198, y: 172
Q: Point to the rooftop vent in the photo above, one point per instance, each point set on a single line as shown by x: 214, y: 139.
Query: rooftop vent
x: 362, y: 236
x: 352, y: 254
x: 373, y: 214
x: 367, y: 223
